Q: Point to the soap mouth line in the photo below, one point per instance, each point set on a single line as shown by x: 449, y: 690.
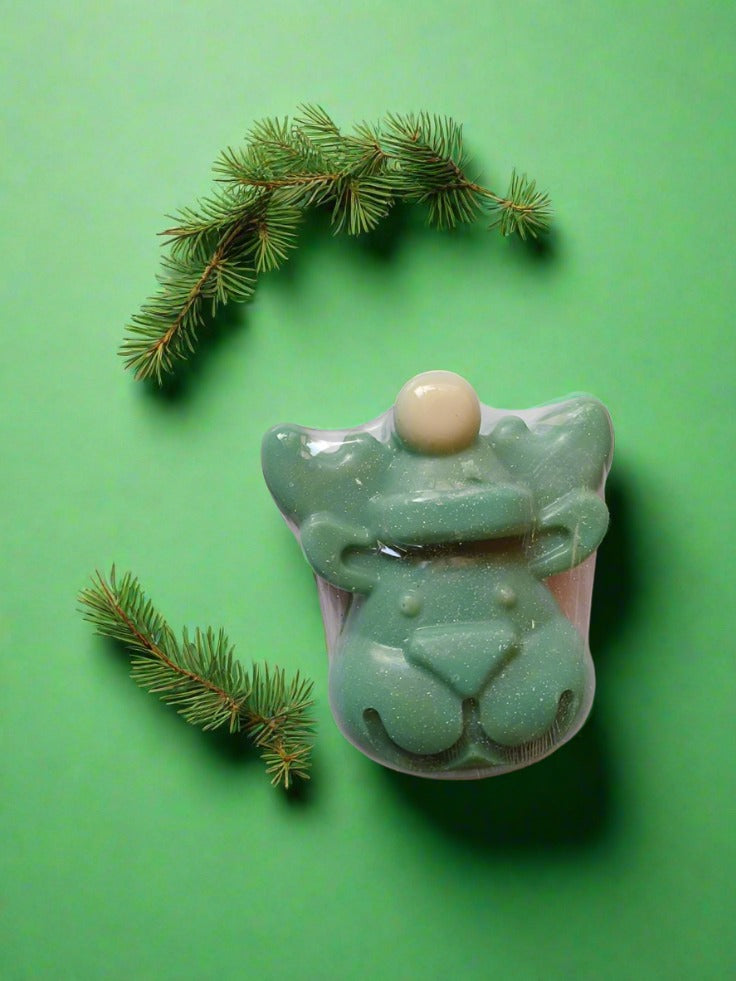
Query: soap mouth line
x: 507, y: 545
x: 475, y: 747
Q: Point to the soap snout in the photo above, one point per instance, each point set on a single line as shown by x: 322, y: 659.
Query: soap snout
x: 466, y: 656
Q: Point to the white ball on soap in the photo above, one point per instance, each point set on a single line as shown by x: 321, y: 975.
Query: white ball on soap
x: 437, y: 412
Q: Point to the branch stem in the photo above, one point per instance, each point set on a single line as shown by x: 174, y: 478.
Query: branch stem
x: 155, y: 650
x: 297, y: 180
x: 196, y: 291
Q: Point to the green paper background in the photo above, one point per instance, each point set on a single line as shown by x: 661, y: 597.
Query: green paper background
x: 134, y: 846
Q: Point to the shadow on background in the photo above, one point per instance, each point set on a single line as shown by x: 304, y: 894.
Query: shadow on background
x: 230, y: 751
x: 176, y: 388
x: 543, y: 251
x: 403, y: 225
x: 237, y: 751
x: 567, y: 800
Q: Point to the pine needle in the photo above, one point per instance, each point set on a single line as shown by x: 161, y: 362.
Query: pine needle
x: 249, y: 226
x: 201, y: 678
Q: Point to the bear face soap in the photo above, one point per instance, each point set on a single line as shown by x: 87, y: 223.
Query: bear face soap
x: 453, y: 546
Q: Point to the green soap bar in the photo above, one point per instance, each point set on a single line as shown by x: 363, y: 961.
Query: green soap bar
x: 449, y: 541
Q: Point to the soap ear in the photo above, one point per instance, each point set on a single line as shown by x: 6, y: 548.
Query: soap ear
x: 309, y: 472
x: 567, y: 447
x: 566, y: 532
x: 285, y: 462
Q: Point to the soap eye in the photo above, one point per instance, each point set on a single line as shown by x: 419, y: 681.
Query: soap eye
x: 410, y: 604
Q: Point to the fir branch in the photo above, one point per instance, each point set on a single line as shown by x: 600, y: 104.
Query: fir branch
x: 322, y: 134
x: 166, y: 327
x: 524, y: 211
x: 431, y: 159
x: 249, y: 226
x: 364, y: 152
x: 200, y: 676
x: 276, y: 228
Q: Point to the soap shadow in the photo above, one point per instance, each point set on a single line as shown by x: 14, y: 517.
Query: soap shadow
x: 402, y: 228
x: 562, y: 801
x: 568, y: 800
x: 618, y: 587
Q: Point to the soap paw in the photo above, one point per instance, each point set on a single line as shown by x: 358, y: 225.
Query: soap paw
x: 419, y: 713
x: 541, y: 689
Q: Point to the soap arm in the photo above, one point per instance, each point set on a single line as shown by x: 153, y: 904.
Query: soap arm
x: 566, y: 533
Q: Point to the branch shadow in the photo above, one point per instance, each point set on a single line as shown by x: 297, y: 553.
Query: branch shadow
x: 544, y: 251
x: 177, y: 387
x: 400, y: 231
x: 233, y: 751
x: 402, y: 228
x: 568, y: 800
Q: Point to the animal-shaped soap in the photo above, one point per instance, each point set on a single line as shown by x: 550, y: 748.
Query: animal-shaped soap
x: 453, y: 546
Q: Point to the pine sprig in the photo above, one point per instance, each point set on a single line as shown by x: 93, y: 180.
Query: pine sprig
x: 524, y: 211
x: 431, y: 167
x: 219, y: 247
x: 191, y: 289
x: 201, y: 678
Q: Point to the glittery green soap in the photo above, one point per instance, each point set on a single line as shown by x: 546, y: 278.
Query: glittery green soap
x: 453, y: 547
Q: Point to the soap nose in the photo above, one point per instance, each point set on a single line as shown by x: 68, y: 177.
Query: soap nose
x: 437, y: 412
